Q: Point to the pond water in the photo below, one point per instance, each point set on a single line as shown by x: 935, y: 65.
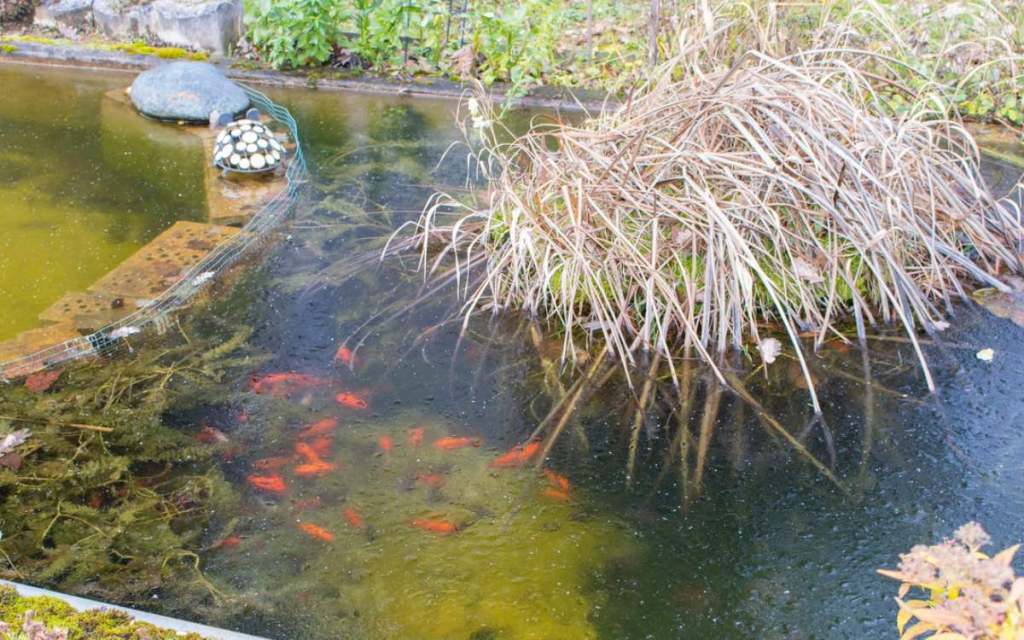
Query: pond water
x: 83, y: 185
x: 376, y: 493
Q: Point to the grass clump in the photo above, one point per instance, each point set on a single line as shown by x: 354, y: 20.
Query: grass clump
x: 719, y: 202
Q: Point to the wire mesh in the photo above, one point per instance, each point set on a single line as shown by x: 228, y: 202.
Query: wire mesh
x: 157, y: 313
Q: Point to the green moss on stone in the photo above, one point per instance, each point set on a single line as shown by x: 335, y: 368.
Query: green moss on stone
x: 94, y: 624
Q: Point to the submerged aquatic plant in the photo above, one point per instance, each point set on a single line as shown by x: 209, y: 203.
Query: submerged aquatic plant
x: 718, y: 203
x: 971, y: 596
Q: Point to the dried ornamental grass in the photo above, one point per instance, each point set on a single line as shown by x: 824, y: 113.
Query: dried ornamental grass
x: 707, y: 209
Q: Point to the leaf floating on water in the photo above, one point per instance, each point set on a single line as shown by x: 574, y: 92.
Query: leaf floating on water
x: 13, y: 440
x: 770, y: 350
x: 985, y: 355
x: 1002, y: 305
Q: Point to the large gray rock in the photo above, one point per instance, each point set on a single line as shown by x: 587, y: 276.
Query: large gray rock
x: 212, y: 25
x: 186, y: 91
x: 72, y: 14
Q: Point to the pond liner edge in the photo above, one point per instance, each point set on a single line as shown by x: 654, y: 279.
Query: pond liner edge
x: 69, y: 55
x: 166, y: 622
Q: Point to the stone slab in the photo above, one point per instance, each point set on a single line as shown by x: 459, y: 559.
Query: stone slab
x: 73, y: 14
x: 161, y: 263
x: 211, y: 25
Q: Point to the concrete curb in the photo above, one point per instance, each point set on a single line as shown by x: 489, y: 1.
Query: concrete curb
x: 181, y: 626
x: 79, y: 56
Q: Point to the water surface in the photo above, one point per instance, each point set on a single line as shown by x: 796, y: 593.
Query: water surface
x: 84, y: 182
x: 673, y: 525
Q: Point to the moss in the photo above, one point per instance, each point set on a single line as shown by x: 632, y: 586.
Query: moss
x: 29, y: 39
x: 94, y: 624
x: 167, y: 53
x: 8, y: 48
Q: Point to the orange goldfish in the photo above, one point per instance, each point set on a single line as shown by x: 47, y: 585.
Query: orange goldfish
x: 281, y: 385
x: 432, y: 480
x: 556, y: 494
x: 352, y: 400
x: 385, y: 443
x: 316, y: 532
x: 435, y: 525
x: 452, y: 442
x: 517, y: 456
x: 314, y: 465
x: 230, y: 542
x: 319, y: 428
x: 323, y: 445
x: 271, y: 484
x: 415, y: 436
x: 353, y: 518
x: 345, y: 356
x: 557, y: 481
x: 272, y: 464
x: 319, y: 468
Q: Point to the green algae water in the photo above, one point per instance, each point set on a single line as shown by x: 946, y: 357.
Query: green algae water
x: 304, y: 460
x: 83, y: 184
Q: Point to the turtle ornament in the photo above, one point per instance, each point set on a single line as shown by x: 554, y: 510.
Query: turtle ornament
x: 247, y: 146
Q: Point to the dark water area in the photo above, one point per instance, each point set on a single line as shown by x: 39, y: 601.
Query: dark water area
x: 401, y: 512
x: 83, y: 184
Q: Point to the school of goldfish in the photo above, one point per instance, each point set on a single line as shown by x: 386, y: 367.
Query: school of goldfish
x: 313, y: 457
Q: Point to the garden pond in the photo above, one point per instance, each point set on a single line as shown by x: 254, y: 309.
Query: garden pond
x: 320, y: 451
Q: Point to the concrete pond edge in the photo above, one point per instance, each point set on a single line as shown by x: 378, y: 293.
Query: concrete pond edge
x: 82, y: 56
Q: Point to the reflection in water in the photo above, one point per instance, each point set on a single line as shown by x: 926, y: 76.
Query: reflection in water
x: 656, y: 512
x: 84, y: 183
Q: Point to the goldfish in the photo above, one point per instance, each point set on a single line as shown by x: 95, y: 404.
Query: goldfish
x: 385, y: 443
x: 322, y: 445
x: 230, y: 542
x: 319, y: 468
x: 345, y: 356
x: 353, y: 518
x: 314, y: 465
x: 209, y: 435
x: 452, y: 442
x: 281, y: 385
x: 556, y: 494
x: 517, y: 456
x: 557, y: 481
x: 432, y: 480
x: 271, y: 484
x: 319, y: 428
x: 435, y: 525
x: 415, y: 436
x: 272, y: 464
x: 243, y: 416
x: 352, y: 400
x: 316, y: 532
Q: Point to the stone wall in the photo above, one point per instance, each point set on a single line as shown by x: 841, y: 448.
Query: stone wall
x: 208, y: 25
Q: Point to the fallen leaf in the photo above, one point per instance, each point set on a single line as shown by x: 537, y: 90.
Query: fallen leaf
x: 12, y: 461
x: 40, y: 382
x: 464, y: 61
x: 770, y: 350
x: 985, y: 355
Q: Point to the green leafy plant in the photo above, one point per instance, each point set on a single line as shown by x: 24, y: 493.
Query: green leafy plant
x: 296, y: 33
x: 967, y: 595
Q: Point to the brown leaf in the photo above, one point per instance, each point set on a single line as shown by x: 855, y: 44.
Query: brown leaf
x: 12, y: 461
x: 464, y: 61
x: 40, y: 382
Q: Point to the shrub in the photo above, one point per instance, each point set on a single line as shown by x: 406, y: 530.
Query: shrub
x: 296, y: 33
x: 967, y: 594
